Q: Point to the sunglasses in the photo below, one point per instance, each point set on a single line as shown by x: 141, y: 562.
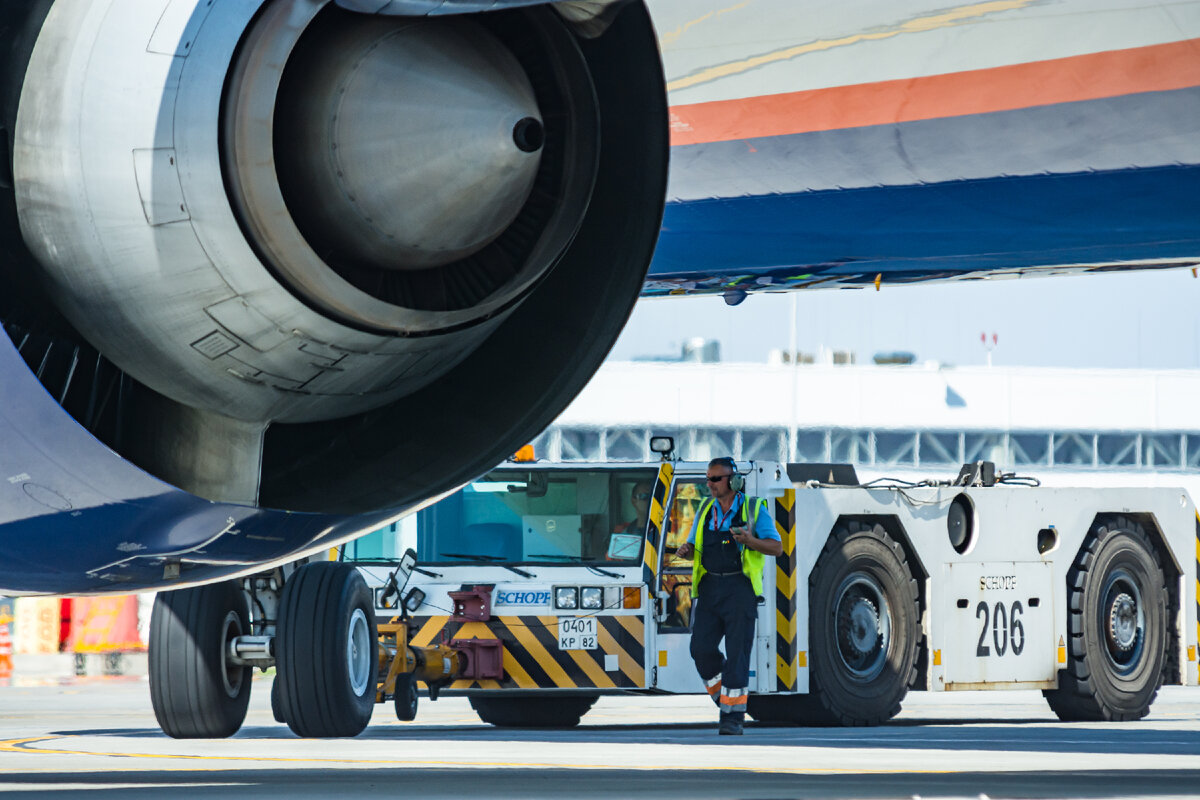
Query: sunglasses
x: 642, y: 496
x: 716, y: 479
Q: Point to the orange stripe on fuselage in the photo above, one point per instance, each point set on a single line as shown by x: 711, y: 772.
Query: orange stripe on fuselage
x: 1154, y: 68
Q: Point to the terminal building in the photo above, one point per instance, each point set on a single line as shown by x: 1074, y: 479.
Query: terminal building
x: 1083, y: 427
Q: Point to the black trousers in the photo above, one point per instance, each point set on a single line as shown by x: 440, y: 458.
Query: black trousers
x: 725, y: 608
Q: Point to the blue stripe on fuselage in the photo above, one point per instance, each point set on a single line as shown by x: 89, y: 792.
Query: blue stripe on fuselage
x: 1066, y: 184
x: 935, y: 230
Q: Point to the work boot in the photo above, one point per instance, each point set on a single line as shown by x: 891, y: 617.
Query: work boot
x: 731, y: 724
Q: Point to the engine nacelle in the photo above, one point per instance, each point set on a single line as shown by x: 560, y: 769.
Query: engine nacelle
x: 339, y: 245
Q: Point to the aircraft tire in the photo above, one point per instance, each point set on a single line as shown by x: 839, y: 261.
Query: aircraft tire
x: 532, y: 712
x: 859, y: 676
x: 276, y: 699
x: 326, y: 651
x: 194, y: 689
x: 1116, y: 625
x: 405, y: 698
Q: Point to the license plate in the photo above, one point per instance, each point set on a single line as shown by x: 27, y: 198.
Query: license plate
x: 577, y: 633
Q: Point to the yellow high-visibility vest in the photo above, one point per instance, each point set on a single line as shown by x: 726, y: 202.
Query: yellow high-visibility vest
x: 753, y: 561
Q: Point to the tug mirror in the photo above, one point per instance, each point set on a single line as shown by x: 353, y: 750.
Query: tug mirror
x: 408, y: 561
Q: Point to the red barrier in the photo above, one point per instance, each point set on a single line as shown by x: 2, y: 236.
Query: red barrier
x: 6, y: 648
x: 105, y: 624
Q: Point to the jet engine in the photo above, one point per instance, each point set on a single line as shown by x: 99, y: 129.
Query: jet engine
x: 317, y: 258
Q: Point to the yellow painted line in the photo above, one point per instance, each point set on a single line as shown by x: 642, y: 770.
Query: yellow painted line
x: 946, y: 19
x: 635, y: 625
x: 651, y: 559
x: 671, y: 37
x: 543, y: 658
x: 430, y: 629
x: 593, y: 670
x: 517, y: 673
x: 785, y: 627
x: 632, y: 669
x: 657, y: 511
x: 656, y: 514
x: 785, y: 670
x: 19, y: 746
x: 475, y: 630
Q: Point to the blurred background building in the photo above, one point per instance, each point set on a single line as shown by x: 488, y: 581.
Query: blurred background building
x: 897, y: 417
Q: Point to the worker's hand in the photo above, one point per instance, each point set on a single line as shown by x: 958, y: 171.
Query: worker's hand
x: 684, y: 551
x: 742, y: 535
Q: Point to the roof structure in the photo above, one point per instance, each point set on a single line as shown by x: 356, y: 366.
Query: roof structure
x: 1086, y: 426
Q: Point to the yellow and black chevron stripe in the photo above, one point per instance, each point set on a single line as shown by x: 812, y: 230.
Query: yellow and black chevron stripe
x: 532, y: 659
x: 786, y: 657
x: 658, y: 506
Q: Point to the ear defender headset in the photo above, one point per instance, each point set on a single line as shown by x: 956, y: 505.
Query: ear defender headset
x: 736, y: 481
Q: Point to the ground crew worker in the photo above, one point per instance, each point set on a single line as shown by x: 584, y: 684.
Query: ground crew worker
x: 639, y: 498
x: 731, y: 537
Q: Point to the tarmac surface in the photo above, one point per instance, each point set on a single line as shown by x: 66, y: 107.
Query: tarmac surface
x: 98, y: 735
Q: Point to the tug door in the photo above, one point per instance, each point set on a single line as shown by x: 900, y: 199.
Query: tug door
x: 672, y: 669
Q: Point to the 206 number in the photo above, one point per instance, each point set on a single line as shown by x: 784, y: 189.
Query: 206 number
x: 1006, y: 628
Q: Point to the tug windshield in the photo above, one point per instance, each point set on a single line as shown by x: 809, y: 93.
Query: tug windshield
x: 532, y: 516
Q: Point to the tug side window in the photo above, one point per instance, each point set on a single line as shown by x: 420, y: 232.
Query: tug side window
x: 685, y: 504
x: 679, y: 601
x: 676, y: 579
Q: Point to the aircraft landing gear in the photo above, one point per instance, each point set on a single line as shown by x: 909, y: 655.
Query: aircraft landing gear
x: 319, y: 633
x: 196, y: 688
x: 326, y: 651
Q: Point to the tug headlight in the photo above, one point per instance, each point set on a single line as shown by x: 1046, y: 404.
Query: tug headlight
x: 591, y: 597
x: 566, y: 597
x: 414, y: 599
